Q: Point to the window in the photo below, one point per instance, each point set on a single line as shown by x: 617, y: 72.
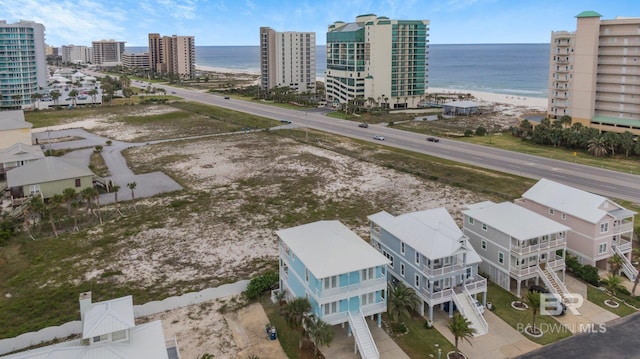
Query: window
x: 34, y: 189
x: 484, y: 226
x: 561, y: 234
x: 483, y: 244
x: 602, y: 248
x: 417, y: 258
x: 101, y: 338
x: 604, y: 227
x: 119, y: 335
x: 330, y: 308
x: 551, y: 211
x: 470, y: 220
x: 417, y: 282
x: 402, y: 247
x: 367, y: 274
x: 306, y: 275
x: 501, y: 257
x: 545, y: 238
x: 367, y: 299
x: 78, y: 184
x: 331, y: 282
x: 402, y: 269
x: 563, y: 216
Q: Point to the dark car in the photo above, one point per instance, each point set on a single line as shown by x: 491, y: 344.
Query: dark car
x: 226, y: 97
x: 363, y: 125
x: 537, y: 288
x: 433, y: 139
x: 285, y: 121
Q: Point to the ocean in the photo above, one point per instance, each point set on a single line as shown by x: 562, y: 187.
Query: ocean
x: 512, y: 69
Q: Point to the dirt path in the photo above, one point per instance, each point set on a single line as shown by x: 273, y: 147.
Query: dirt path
x: 247, y: 326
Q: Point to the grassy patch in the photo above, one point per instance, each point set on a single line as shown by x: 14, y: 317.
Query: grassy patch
x: 598, y: 297
x: 420, y: 342
x: 287, y: 337
x: 501, y: 300
x: 97, y: 165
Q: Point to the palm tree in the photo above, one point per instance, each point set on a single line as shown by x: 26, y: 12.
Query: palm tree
x: 626, y: 142
x: 37, y: 97
x: 69, y: 195
x: 93, y: 93
x: 319, y: 332
x: 115, y: 188
x: 132, y: 186
x: 460, y: 327
x: 636, y: 256
x: 294, y: 313
x: 73, y: 94
x: 87, y: 195
x: 597, y: 146
x: 401, y: 299
x: 613, y: 283
x: 55, y: 95
x: 53, y: 204
x: 36, y: 206
x: 615, y: 263
x: 532, y: 298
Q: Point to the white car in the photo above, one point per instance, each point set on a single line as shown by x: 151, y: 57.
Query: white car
x: 379, y: 138
x: 479, y: 306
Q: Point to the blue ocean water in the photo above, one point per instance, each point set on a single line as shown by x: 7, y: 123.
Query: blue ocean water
x: 514, y: 69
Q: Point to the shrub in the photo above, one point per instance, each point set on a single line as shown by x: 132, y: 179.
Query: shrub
x: 481, y: 131
x: 260, y: 284
x: 468, y: 133
x: 590, y: 275
x: 390, y: 124
x: 7, y: 230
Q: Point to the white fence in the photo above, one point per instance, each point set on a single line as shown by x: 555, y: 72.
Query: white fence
x: 26, y: 340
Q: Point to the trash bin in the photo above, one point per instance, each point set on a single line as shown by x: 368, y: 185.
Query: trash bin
x: 272, y: 334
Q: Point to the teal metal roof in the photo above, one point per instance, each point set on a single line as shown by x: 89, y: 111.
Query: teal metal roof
x: 617, y: 121
x: 588, y: 14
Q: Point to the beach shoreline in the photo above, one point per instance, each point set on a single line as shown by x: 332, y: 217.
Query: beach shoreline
x: 534, y: 103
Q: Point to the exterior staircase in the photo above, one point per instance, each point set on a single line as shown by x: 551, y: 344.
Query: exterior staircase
x: 364, y: 340
x: 627, y: 267
x: 555, y: 285
x: 468, y: 309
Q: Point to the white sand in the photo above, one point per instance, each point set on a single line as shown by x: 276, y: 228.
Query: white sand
x: 536, y: 103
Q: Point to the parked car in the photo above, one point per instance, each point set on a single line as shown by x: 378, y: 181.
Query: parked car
x: 173, y: 92
x: 226, y: 97
x: 433, y: 139
x: 363, y: 125
x: 479, y: 306
x: 539, y: 289
x: 285, y: 121
x: 379, y: 138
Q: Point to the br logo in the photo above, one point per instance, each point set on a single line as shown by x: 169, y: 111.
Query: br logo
x: 552, y: 303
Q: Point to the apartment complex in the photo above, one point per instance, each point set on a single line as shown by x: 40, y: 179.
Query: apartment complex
x: 136, y: 61
x: 75, y: 54
x: 594, y: 74
x: 23, y: 65
x: 107, y: 52
x: 172, y: 55
x: 377, y: 60
x: 288, y: 59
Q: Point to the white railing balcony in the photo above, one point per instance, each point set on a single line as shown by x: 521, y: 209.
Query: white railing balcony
x: 517, y: 247
x: 475, y: 285
x: 438, y: 296
x: 356, y: 289
x: 624, y: 245
x: 557, y: 263
x: 442, y: 270
x: 375, y: 308
x: 335, y: 318
x: 523, y: 271
x: 623, y: 227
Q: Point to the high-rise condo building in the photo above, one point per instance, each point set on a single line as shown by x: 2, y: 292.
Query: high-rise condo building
x: 173, y: 55
x: 23, y: 65
x: 75, y: 54
x: 288, y: 59
x: 594, y: 73
x: 107, y: 52
x: 377, y: 60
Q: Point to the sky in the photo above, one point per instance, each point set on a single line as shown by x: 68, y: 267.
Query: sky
x: 237, y: 22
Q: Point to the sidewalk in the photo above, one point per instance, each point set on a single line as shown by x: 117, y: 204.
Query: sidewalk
x: 343, y: 346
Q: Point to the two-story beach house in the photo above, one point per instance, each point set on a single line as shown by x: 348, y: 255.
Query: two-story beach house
x: 429, y: 253
x: 344, y: 278
x: 109, y: 331
x: 599, y: 228
x: 517, y: 245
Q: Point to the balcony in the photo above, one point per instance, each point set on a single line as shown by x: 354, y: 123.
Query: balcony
x: 335, y: 318
x: 624, y: 245
x: 523, y: 271
x: 476, y: 285
x: 623, y: 227
x: 375, y: 308
x: 557, y: 263
x: 437, y: 296
x: 442, y: 269
x: 357, y: 289
x: 519, y: 248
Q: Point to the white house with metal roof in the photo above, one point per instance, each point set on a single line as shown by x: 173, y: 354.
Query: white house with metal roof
x: 14, y: 129
x: 344, y: 278
x: 48, y: 176
x: 18, y: 155
x: 109, y: 332
x: 599, y: 227
x: 517, y: 245
x: 429, y: 253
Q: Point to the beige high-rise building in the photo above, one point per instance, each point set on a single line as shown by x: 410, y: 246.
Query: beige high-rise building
x: 172, y: 54
x: 288, y: 59
x: 377, y: 60
x: 75, y: 54
x: 594, y: 73
x: 107, y: 52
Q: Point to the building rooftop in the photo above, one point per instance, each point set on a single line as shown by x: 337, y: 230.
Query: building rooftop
x: 108, y: 317
x: 588, y: 14
x: 513, y: 220
x: 328, y: 248
x: 20, y: 152
x: 47, y: 169
x: 13, y: 120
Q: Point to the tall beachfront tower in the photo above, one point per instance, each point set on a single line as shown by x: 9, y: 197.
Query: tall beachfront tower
x: 594, y: 73
x: 377, y: 60
x: 173, y: 55
x: 107, y: 52
x: 288, y: 59
x: 23, y: 63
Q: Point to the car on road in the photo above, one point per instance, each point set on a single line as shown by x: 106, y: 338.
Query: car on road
x: 285, y: 121
x: 379, y: 138
x: 226, y: 97
x: 433, y: 139
x: 363, y: 125
x: 173, y: 92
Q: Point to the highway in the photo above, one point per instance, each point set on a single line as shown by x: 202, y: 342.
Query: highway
x: 616, y: 185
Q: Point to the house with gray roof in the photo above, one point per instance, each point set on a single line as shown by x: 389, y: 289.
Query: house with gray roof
x: 429, y: 253
x: 18, y: 155
x: 14, y: 129
x: 48, y: 176
x: 109, y: 331
x: 517, y: 245
x: 599, y: 227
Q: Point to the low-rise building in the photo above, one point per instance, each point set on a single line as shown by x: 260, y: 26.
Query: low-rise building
x: 47, y: 177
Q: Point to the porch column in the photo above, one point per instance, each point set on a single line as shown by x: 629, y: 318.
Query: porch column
x: 379, y: 320
x: 349, y: 330
x: 518, y: 288
x: 451, y: 304
x: 484, y: 298
x: 431, y: 313
x: 422, y: 307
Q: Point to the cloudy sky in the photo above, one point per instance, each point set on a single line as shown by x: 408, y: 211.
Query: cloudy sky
x: 236, y: 22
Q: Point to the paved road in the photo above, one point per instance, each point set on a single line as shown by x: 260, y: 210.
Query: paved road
x: 601, y: 181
